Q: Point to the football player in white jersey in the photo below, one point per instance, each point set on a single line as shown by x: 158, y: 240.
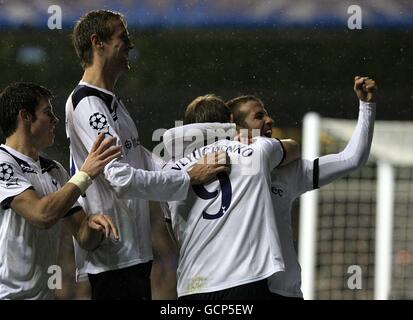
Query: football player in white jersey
x: 36, y: 194
x: 290, y: 181
x: 226, y: 230
x: 117, y: 270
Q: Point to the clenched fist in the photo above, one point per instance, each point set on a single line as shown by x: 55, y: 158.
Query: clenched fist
x: 365, y: 89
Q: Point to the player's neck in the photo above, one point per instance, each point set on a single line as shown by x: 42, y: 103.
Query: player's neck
x: 99, y: 77
x: 22, y: 144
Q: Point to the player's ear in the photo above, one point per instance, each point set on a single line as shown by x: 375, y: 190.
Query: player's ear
x: 95, y: 41
x: 25, y: 115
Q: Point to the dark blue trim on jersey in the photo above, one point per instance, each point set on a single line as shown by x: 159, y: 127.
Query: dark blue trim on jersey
x: 72, y: 211
x: 72, y: 167
x: 168, y: 220
x: 47, y: 165
x: 316, y: 174
x: 19, y: 161
x: 284, y: 152
x: 82, y: 91
x: 5, y: 204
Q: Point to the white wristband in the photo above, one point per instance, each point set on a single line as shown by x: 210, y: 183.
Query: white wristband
x: 82, y: 180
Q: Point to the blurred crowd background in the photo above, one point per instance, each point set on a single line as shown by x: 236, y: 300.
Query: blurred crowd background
x: 298, y: 56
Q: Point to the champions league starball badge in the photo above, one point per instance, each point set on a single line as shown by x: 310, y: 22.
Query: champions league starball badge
x: 6, y: 172
x: 98, y: 121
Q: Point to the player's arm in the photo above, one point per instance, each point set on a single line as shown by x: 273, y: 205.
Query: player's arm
x: 90, y: 230
x: 291, y: 151
x: 151, y: 161
x: 179, y: 140
x: 356, y: 153
x: 45, y: 211
x: 130, y: 182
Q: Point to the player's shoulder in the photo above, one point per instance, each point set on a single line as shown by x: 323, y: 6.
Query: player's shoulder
x: 81, y: 92
x: 7, y: 157
x: 292, y: 169
x: 12, y: 166
x: 48, y: 164
x: 7, y: 166
x: 289, y: 168
x: 263, y: 140
x: 266, y: 143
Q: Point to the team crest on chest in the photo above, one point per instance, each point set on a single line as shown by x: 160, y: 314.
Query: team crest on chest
x: 277, y: 190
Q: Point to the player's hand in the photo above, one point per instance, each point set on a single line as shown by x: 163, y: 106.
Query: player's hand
x: 104, y: 224
x: 365, y: 89
x: 209, y: 166
x: 103, y: 151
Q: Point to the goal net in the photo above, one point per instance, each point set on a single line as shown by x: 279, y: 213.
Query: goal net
x: 361, y: 222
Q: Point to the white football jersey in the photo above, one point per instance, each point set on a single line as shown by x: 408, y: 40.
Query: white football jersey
x: 26, y: 251
x: 298, y: 177
x: 291, y: 181
x: 121, y: 191
x: 287, y: 184
x: 226, y: 229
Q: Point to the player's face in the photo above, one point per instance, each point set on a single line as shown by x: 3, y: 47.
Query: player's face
x: 118, y: 47
x: 256, y: 117
x: 42, y: 129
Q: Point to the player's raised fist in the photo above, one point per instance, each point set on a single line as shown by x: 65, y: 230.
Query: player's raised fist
x: 365, y: 89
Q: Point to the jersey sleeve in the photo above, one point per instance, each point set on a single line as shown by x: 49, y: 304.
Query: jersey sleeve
x: 356, y: 152
x: 272, y: 151
x: 151, y: 161
x: 310, y: 175
x: 182, y: 140
x: 12, y: 182
x: 92, y: 117
x: 304, y: 178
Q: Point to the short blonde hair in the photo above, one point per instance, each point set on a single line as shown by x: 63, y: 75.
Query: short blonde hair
x: 207, y: 108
